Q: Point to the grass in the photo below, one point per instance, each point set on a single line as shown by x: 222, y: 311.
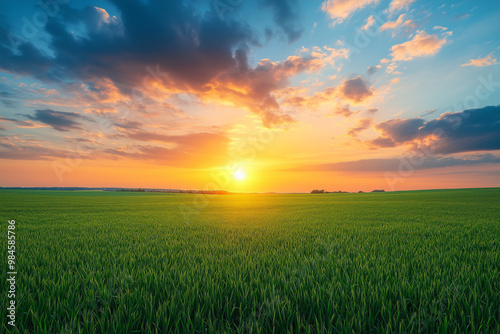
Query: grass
x: 102, y: 262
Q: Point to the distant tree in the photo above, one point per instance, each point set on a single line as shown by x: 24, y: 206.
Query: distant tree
x: 316, y: 191
x: 360, y: 192
x: 378, y: 191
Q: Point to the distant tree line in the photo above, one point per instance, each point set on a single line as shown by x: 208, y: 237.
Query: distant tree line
x: 177, y: 191
x: 322, y: 191
x: 139, y: 190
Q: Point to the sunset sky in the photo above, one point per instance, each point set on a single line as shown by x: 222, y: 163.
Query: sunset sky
x: 337, y: 95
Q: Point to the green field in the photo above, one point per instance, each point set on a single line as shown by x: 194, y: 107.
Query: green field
x: 111, y: 262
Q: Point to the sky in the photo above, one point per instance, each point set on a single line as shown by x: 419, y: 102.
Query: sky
x: 250, y: 96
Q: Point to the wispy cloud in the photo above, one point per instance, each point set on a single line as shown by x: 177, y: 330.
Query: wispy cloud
x: 19, y: 123
x: 382, y: 165
x: 370, y: 21
x: 400, y: 22
x: 361, y: 125
x: 339, y: 10
x: 421, y: 45
x: 480, y: 62
x: 397, y: 5
x: 344, y: 110
x: 59, y: 120
x: 355, y: 91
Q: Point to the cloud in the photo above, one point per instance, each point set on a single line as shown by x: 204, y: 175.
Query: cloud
x: 32, y: 153
x: 169, y: 47
x: 8, y: 103
x: 344, y: 110
x: 421, y: 45
x: 370, y: 21
x: 400, y: 130
x: 5, y: 98
x: 400, y: 22
x: 292, y: 97
x: 397, y: 5
x: 253, y: 88
x: 381, y: 142
x: 361, y: 125
x: 21, y: 124
x: 128, y: 125
x: 480, y: 62
x: 98, y: 21
x: 59, y: 120
x: 439, y: 28
x: 459, y: 17
x: 286, y: 17
x: 372, y: 69
x: 356, y: 90
x: 339, y: 10
x: 19, y: 147
x: 381, y: 165
x: 465, y: 131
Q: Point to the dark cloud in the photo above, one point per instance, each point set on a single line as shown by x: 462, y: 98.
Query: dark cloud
x: 59, y: 120
x: 355, y: 90
x: 468, y: 130
x: 371, y: 70
x: 286, y: 17
x: 189, y: 49
x: 7, y: 97
x: 26, y: 60
x: 381, y: 165
x: 400, y: 130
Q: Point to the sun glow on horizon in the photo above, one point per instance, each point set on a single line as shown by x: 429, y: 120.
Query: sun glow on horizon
x: 240, y: 174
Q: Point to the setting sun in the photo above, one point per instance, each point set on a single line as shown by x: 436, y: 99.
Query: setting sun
x: 240, y: 174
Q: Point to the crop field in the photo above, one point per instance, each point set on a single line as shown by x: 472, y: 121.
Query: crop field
x: 116, y: 262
